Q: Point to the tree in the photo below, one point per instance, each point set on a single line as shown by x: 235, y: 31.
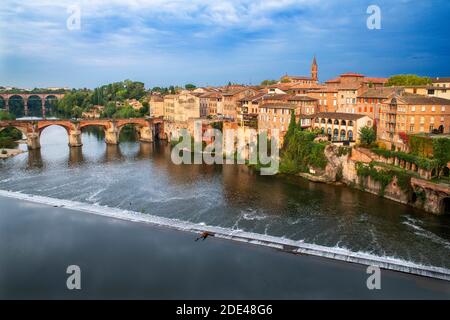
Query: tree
x: 5, y: 115
x: 367, y: 136
x: 144, y: 111
x: 441, y: 153
x: 76, y: 112
x: 291, y: 130
x: 269, y: 82
x: 190, y: 86
x: 408, y: 80
x: 126, y: 113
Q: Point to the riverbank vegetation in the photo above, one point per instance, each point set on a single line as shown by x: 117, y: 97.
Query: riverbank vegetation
x: 300, y: 151
x: 9, y: 136
x: 112, y: 96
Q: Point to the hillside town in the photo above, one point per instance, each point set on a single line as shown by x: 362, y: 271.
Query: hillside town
x: 338, y: 107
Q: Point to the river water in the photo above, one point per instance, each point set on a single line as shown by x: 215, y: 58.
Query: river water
x: 141, y: 177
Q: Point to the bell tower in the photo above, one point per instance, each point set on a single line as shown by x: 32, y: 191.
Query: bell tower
x: 315, y: 70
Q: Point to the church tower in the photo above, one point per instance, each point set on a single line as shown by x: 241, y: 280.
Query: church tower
x: 315, y: 70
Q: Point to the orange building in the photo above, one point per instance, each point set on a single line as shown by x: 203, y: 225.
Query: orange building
x: 412, y: 114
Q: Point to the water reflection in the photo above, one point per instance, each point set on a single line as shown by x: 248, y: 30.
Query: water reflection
x: 35, y: 159
x: 75, y: 156
x: 113, y: 154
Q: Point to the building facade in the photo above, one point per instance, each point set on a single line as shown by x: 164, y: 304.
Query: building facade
x: 407, y: 114
x: 341, y: 127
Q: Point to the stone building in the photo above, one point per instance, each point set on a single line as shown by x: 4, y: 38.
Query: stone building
x: 341, y: 127
x: 231, y: 101
x: 405, y: 114
x: 156, y: 103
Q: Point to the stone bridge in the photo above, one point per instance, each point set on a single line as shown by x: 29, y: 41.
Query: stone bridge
x: 148, y: 129
x: 26, y: 96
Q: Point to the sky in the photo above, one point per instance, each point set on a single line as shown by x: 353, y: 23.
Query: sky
x: 212, y: 42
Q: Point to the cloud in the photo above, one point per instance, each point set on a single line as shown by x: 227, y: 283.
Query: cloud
x: 175, y: 39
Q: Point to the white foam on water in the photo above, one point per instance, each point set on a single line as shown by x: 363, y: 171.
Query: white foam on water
x: 300, y: 247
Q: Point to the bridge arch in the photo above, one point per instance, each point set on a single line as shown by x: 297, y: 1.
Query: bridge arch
x: 2, y: 102
x: 20, y: 128
x: 17, y: 105
x: 34, y: 105
x: 65, y: 127
x: 49, y: 103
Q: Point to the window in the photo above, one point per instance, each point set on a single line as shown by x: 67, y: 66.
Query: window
x: 423, y: 108
x: 412, y: 120
x: 433, y: 108
x: 443, y: 109
x: 422, y: 120
x: 413, y: 108
x: 411, y: 128
x: 432, y: 120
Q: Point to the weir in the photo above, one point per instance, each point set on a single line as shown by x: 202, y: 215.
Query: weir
x: 297, y: 247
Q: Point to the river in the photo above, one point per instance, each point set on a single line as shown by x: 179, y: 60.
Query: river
x: 141, y: 177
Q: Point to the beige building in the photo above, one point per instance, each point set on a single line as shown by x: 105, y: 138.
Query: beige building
x: 181, y: 107
x: 275, y: 116
x: 412, y: 114
x: 441, y: 91
x: 156, y: 103
x: 93, y: 113
x: 211, y: 104
x: 441, y: 82
x: 231, y: 101
x: 326, y: 99
x: 135, y: 104
x: 369, y: 103
x: 340, y: 127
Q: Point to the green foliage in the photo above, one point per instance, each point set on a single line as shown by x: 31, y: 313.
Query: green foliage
x: 441, y: 153
x: 420, y: 145
x: 368, y: 136
x: 385, y: 177
x: 381, y: 176
x: 300, y: 152
x: 126, y: 113
x: 190, y: 86
x: 343, y: 151
x: 4, y: 115
x: 144, y: 111
x: 424, y: 163
x: 76, y: 101
x: 268, y: 82
x: 12, y: 133
x: 7, y: 143
x: 408, y: 80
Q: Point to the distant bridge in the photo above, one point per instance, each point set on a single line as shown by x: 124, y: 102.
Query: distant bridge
x: 7, y: 97
x: 148, y: 129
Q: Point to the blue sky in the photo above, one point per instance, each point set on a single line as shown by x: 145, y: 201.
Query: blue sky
x: 211, y: 42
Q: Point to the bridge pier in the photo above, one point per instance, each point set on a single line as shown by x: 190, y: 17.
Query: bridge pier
x: 146, y: 134
x: 33, y: 141
x: 112, y: 136
x: 75, y: 138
